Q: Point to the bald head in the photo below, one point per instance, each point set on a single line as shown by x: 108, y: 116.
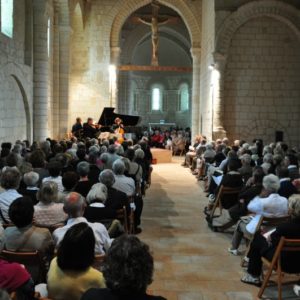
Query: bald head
x: 74, y: 205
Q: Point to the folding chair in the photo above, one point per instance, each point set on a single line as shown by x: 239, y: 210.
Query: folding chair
x: 122, y: 216
x: 285, y: 245
x: 233, y: 192
x: 263, y: 224
x: 31, y: 260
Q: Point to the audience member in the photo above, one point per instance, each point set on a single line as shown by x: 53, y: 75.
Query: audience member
x: 74, y: 207
x: 128, y: 271
x: 10, y: 181
x: 48, y: 212
x: 71, y: 272
x: 24, y: 236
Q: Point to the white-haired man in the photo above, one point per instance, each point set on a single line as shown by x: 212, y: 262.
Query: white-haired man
x: 268, y: 204
x: 74, y: 206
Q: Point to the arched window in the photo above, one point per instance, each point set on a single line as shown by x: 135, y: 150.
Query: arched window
x: 156, y: 98
x: 7, y: 17
x: 184, y: 97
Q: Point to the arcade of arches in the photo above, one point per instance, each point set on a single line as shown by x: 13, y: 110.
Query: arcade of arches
x: 63, y: 56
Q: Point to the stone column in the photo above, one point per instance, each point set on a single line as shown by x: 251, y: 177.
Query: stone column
x: 113, y: 85
x: 218, y: 98
x: 195, y: 108
x: 64, y: 78
x: 40, y: 70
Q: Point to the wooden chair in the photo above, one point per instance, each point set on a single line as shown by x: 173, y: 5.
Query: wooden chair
x: 122, y: 216
x: 98, y: 261
x: 233, y: 192
x: 285, y: 245
x: 264, y: 224
x: 31, y: 260
x: 51, y: 228
x: 5, y: 225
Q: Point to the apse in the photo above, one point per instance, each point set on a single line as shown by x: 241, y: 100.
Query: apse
x: 155, y: 76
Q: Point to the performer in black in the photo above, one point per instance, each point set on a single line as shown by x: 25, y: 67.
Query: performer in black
x: 77, y: 128
x: 90, y: 130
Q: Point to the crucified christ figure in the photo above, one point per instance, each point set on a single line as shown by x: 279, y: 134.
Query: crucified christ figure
x: 155, y: 23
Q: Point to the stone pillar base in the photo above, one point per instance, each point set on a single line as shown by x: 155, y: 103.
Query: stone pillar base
x: 219, y: 133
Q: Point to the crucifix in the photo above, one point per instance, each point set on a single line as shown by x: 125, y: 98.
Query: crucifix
x: 154, y: 23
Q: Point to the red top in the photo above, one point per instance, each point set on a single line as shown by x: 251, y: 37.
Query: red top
x: 12, y: 275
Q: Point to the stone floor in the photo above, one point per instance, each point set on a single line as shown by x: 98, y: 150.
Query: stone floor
x: 191, y: 261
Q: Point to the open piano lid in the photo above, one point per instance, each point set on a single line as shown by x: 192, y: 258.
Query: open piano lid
x: 108, y: 116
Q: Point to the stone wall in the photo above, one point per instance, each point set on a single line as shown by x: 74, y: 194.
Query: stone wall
x: 262, y: 82
x: 140, y: 98
x: 16, y: 106
x: 206, y: 77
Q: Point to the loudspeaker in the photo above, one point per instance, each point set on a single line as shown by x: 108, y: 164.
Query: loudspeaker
x: 278, y: 136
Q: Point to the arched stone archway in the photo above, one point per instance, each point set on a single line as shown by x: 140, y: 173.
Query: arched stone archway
x: 26, y: 108
x: 131, y: 6
x: 277, y: 10
x: 124, y: 10
x: 13, y: 75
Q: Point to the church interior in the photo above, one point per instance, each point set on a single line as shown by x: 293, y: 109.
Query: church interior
x: 198, y: 103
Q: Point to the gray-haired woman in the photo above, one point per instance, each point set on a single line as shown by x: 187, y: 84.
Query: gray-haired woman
x: 97, y: 212
x: 47, y: 212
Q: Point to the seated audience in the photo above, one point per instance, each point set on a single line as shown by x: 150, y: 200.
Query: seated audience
x: 10, y: 181
x: 231, y: 179
x: 54, y: 169
x: 115, y: 199
x: 291, y: 162
x: 128, y: 271
x: 24, y: 236
x: 97, y: 211
x: 232, y: 215
x: 48, y: 212
x: 71, y: 272
x: 74, y: 207
x: 267, y: 204
x: 122, y: 183
x: 84, y: 184
x: 31, y: 180
x: 246, y: 169
x: 38, y: 160
x: 265, y: 246
x: 69, y: 181
x: 286, y: 186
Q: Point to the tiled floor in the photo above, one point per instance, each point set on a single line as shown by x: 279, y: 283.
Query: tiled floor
x: 191, y: 261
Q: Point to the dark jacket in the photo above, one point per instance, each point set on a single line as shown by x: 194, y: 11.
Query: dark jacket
x: 234, y: 180
x: 247, y: 194
x: 290, y: 230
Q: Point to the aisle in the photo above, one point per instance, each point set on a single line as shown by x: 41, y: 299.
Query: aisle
x: 191, y: 261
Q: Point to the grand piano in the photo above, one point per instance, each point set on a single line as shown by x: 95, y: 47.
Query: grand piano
x: 108, y: 117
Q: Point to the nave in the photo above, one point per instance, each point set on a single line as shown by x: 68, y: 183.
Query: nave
x: 191, y: 261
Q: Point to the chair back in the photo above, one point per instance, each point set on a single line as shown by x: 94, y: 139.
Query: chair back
x: 31, y: 260
x: 273, y: 222
x: 51, y: 228
x: 98, y: 261
x: 121, y: 215
x: 6, y: 225
x: 224, y: 190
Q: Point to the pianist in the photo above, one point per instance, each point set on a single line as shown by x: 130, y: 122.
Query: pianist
x: 90, y: 130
